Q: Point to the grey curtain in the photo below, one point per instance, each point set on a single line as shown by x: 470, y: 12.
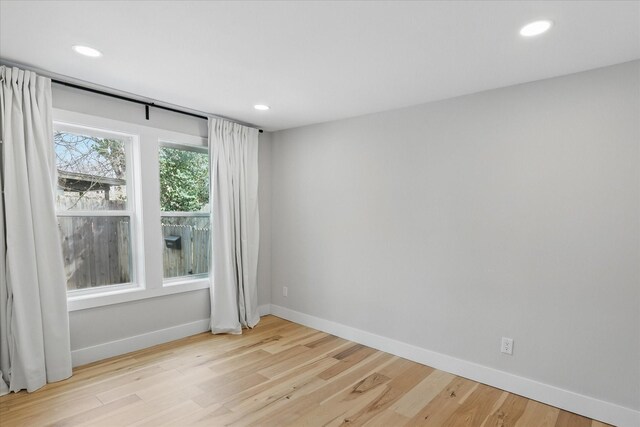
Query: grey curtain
x: 233, y: 153
x: 34, y: 324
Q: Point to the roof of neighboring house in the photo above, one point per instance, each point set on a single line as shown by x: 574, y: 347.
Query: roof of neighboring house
x: 85, y: 182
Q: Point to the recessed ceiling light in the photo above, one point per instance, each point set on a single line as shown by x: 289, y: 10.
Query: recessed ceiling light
x: 535, y: 28
x: 87, y: 51
x: 261, y: 107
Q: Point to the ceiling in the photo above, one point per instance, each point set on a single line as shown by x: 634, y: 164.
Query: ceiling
x: 314, y: 61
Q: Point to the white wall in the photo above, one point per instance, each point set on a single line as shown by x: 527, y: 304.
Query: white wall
x: 95, y: 331
x: 264, y: 205
x: 513, y: 212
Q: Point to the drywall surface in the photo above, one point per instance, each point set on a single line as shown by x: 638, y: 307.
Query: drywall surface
x: 264, y: 206
x: 71, y: 99
x: 101, y: 325
x: 513, y: 212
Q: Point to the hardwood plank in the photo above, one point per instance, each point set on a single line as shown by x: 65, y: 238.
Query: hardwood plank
x: 538, y: 414
x: 353, y: 399
x: 568, y: 419
x: 348, y: 358
x: 496, y: 406
x: 302, y: 337
x: 299, y: 382
x: 405, y: 375
x: 296, y: 408
x: 474, y: 410
x: 311, y: 354
x: 136, y: 385
x: 420, y: 395
x: 387, y: 419
x: 59, y: 393
x: 202, y: 416
x: 278, y: 373
x: 92, y: 414
x: 508, y: 413
x: 170, y: 416
x: 221, y: 391
x: 138, y: 411
x: 38, y: 416
x: 436, y: 412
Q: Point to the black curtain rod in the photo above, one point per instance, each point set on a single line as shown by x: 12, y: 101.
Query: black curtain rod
x: 135, y: 101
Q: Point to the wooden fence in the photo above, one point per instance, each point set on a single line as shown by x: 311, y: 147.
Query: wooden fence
x: 96, y: 250
x: 193, y: 257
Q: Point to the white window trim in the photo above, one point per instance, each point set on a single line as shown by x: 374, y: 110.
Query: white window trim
x: 188, y: 144
x: 148, y: 281
x: 109, y: 297
x: 133, y: 206
x: 199, y: 148
x: 189, y: 214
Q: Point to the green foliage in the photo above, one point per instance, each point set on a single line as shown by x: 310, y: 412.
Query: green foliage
x: 184, y: 180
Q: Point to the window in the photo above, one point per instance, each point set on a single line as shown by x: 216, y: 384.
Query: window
x: 113, y: 215
x: 184, y: 205
x: 95, y: 206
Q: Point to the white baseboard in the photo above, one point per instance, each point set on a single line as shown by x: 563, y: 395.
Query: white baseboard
x: 86, y: 355
x: 564, y: 399
x: 264, y: 309
x: 102, y: 351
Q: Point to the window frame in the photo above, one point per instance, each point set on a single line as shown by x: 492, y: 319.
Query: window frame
x: 199, y: 147
x: 131, y: 145
x: 145, y: 190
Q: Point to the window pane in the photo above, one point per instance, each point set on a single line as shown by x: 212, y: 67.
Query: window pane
x: 96, y: 250
x: 91, y: 172
x: 186, y: 245
x: 184, y: 180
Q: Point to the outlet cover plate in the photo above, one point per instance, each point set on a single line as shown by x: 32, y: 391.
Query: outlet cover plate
x: 507, y: 346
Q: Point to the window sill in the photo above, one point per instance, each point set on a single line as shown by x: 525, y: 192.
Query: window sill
x: 119, y: 296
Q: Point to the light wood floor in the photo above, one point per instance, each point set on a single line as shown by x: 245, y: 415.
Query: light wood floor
x: 277, y: 374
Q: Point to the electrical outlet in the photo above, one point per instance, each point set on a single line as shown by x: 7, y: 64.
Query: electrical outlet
x: 285, y: 291
x: 507, y: 346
